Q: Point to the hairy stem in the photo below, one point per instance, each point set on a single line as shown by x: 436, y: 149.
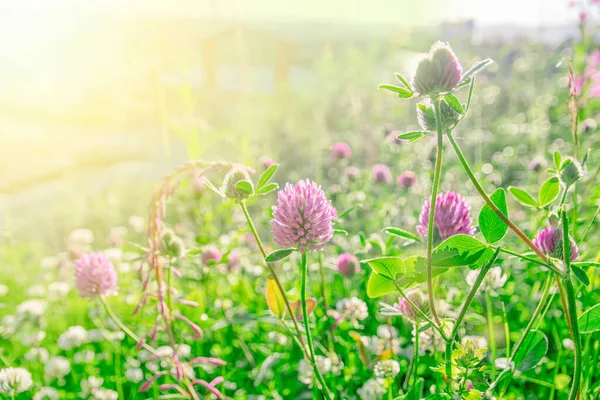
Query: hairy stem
x: 324, y: 389
x: 491, y: 204
x: 432, y: 203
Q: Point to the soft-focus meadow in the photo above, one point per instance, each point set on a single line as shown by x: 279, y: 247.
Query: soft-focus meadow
x: 129, y: 260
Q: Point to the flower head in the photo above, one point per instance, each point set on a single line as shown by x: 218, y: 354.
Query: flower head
x: 340, y: 151
x: 352, y: 173
x: 95, y: 275
x: 451, y: 216
x: 387, y: 369
x: 371, y: 390
x: 439, y: 71
x: 211, y: 255
x: 406, y: 179
x: 382, y: 173
x: 14, y: 380
x: 348, y: 264
x: 550, y: 241
x: 352, y: 309
x: 303, y: 217
x: 267, y: 162
x: 418, y: 299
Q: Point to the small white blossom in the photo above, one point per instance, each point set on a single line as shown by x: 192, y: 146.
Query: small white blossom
x: 305, y: 370
x: 34, y: 308
x: 3, y: 290
x: 58, y: 290
x: 352, y: 309
x: 37, y: 354
x: 479, y: 342
x: 14, y: 380
x: 46, y: 393
x: 57, y: 368
x: 386, y: 369
x: 75, y: 336
x: 371, y: 390
x: 494, y: 279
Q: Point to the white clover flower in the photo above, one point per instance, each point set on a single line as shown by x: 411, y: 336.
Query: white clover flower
x: 37, y: 354
x: 184, y: 350
x: 137, y: 223
x: 84, y: 357
x: 431, y: 341
x: 57, y: 368
x: 494, y: 279
x: 33, y: 339
x: 305, y: 369
x: 33, y: 308
x: 3, y: 290
x: 386, y: 369
x: 479, y: 342
x: 49, y: 262
x: 371, y: 390
x: 352, y: 309
x: 387, y: 332
x: 46, y: 393
x: 14, y: 380
x: 80, y: 241
x: 75, y: 336
x: 134, y: 375
x: 58, y: 290
x: 36, y: 291
x: 104, y: 394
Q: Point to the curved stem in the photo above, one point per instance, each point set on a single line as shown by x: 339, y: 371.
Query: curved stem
x: 274, y: 274
x: 523, y: 257
x: 324, y: 389
x: 473, y: 292
x: 432, y: 203
x: 124, y: 328
x: 415, y: 357
x: 491, y: 204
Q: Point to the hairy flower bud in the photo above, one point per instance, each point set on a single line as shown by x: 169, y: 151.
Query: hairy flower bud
x: 573, y: 172
x: 438, y: 72
x: 231, y: 179
x: 172, y: 244
x: 426, y: 116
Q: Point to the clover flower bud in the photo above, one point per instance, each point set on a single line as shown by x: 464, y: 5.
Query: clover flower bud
x: 573, y: 172
x: 438, y: 72
x: 232, y: 177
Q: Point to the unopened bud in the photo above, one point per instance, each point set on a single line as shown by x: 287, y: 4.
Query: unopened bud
x: 438, y: 72
x: 232, y: 177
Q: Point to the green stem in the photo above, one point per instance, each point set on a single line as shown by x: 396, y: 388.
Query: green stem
x: 534, y: 317
x: 328, y: 332
x: 524, y: 257
x: 432, y: 203
x: 572, y: 307
x: 118, y: 372
x: 491, y: 331
x: 124, y: 328
x: 274, y: 275
x: 506, y: 329
x: 473, y: 292
x: 415, y: 357
x: 324, y: 389
x: 449, y: 344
